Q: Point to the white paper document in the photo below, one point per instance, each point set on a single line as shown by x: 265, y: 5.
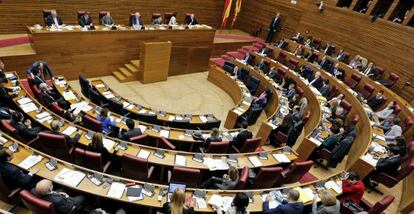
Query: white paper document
x: 281, y: 158
x: 180, y: 160
x: 220, y: 201
x: 30, y: 161
x: 116, y: 190
x: 29, y: 107
x: 142, y: 127
x: 333, y: 185
x: 164, y: 133
x: 69, y: 130
x: 24, y: 100
x: 42, y: 115
x: 144, y: 154
x: 69, y: 177
x: 215, y: 164
x: 69, y: 95
x: 108, y: 144
x: 99, y: 86
x: 203, y: 118
x: 255, y: 161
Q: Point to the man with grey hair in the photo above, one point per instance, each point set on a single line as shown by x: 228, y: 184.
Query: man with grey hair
x: 61, y: 201
x: 48, y: 97
x: 55, y: 129
x: 289, y: 205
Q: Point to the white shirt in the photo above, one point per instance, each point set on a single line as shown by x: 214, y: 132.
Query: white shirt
x: 173, y: 21
x: 55, y: 21
x: 383, y: 114
x: 394, y: 132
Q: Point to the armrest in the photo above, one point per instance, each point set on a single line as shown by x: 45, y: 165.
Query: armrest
x: 169, y: 176
x: 150, y: 172
x: 103, y: 105
x: 32, y: 141
x: 202, y: 150
x: 107, y: 166
x: 14, y: 192
x: 235, y: 149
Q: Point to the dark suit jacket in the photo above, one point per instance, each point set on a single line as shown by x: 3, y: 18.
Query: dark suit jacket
x: 317, y: 83
x: 389, y: 165
x: 248, y: 59
x: 85, y: 21
x: 192, y: 22
x: 241, y: 138
x: 38, y: 80
x: 262, y: 66
x: 284, y: 208
x: 5, y: 98
x: 325, y: 90
x: 266, y: 51
x: 47, y: 98
x: 61, y: 204
x: 206, y: 144
x: 14, y: 177
x: 5, y: 113
x: 375, y: 102
x: 24, y: 131
x: 131, y: 133
x: 102, y: 150
x: 274, y: 25
x: 50, y: 22
x: 3, y: 75
x: 133, y: 21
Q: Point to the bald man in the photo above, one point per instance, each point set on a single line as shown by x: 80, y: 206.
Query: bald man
x: 60, y: 200
x: 55, y: 129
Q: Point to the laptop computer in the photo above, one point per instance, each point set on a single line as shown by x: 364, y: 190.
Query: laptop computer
x: 172, y: 187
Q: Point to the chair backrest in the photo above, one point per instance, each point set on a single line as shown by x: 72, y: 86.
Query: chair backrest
x: 57, y: 109
x: 408, y: 123
x: 243, y: 179
x: 253, y: 84
x: 229, y: 63
x: 189, y: 176
x: 165, y: 144
x: 254, y: 114
x: 148, y: 118
x: 244, y: 74
x: 292, y: 63
x: 79, y: 156
x: 299, y: 90
x: 250, y: 145
x: 8, y: 127
x: 281, y: 138
x: 94, y: 160
x: 102, y: 14
x: 346, y: 105
x: 54, y: 145
x: 134, y: 167
x: 228, y: 69
x: 95, y: 97
x: 156, y: 15
x: 297, y: 170
x: 316, y: 43
x: 267, y: 177
x: 92, y: 123
x: 140, y: 139
x: 281, y: 58
x: 85, y: 86
x: 405, y: 171
x: 37, y: 93
x: 397, y: 109
x: 356, y: 119
x: 367, y: 90
x: 167, y: 17
x: 379, y: 70
x: 380, y: 206
x: 353, y: 81
x: 392, y: 79
x: 221, y: 147
x: 81, y: 13
x: 116, y: 106
x: 35, y: 204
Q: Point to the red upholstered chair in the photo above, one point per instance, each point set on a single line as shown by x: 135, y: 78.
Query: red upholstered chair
x: 165, y: 144
x: 378, y: 70
x: 81, y: 13
x: 251, y: 145
x: 102, y: 14
x: 221, y: 147
x: 46, y: 13
x: 8, y: 195
x: 299, y: 90
x: 267, y: 177
x: 281, y: 58
x: 390, y: 181
x: 321, y: 155
x: 267, y: 63
x: 187, y: 18
x: 382, y: 205
x: 316, y: 43
x: 367, y: 91
x: 94, y: 161
x: 92, y: 123
x: 346, y: 105
x: 156, y: 15
x: 356, y: 119
x: 37, y: 93
x: 167, y: 17
x: 78, y: 155
x: 397, y: 109
x: 347, y: 55
x: 392, y: 79
x: 8, y: 128
x: 136, y: 168
x: 353, y: 81
x: 306, y: 116
x: 292, y: 63
x: 333, y: 93
x: 408, y: 123
x: 143, y: 139
x: 243, y: 179
x: 295, y: 172
x: 280, y: 74
x: 57, y: 109
x: 54, y: 145
x: 189, y: 176
x: 280, y: 138
x: 35, y: 204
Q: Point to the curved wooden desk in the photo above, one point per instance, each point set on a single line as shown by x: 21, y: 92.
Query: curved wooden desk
x: 133, y: 149
x: 88, y: 187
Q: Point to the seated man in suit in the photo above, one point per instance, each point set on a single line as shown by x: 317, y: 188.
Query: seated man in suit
x: 282, y: 44
x: 37, y: 77
x: 2, y: 74
x: 291, y: 91
x: 53, y: 19
x: 24, y: 126
x: 48, y: 96
x: 395, y: 130
x: 297, y: 38
x: 264, y: 51
x: 337, y: 112
x: 12, y: 176
x: 376, y: 101
x: 42, y: 67
x: 262, y: 65
x: 337, y: 72
x: 299, y: 51
x: 341, y: 56
x: 6, y: 113
x: 173, y: 20
x: 317, y: 80
x: 192, y: 20
x: 157, y: 21
x: 325, y: 89
x: 389, y: 164
x: 6, y: 99
x: 328, y: 49
x: 136, y: 21
x: 107, y: 19
x: 243, y: 135
x: 55, y: 129
x: 61, y: 201
x: 132, y: 132
x: 85, y: 20
x: 289, y: 205
x: 248, y: 58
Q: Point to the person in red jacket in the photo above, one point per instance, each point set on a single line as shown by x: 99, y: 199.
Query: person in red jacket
x: 352, y: 189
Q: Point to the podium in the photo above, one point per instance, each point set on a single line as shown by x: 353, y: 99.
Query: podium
x: 154, y: 61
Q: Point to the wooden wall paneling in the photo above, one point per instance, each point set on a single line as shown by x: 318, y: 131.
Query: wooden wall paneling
x: 154, y: 61
x: 371, y: 7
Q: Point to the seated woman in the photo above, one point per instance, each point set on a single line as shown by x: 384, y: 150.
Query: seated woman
x: 398, y: 146
x: 97, y: 146
x: 262, y: 99
x: 177, y: 204
x: 284, y: 128
x: 330, y: 205
x: 107, y: 122
x: 228, y: 182
x: 215, y: 137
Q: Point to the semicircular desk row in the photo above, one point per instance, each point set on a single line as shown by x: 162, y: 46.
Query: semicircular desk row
x: 365, y: 162
x: 114, y: 188
x: 31, y: 106
x: 363, y: 139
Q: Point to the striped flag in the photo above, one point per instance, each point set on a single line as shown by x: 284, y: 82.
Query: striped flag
x: 226, y: 13
x: 237, y: 10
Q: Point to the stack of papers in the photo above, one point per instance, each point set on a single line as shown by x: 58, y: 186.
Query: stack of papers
x: 281, y: 158
x: 30, y: 161
x: 143, y: 154
x: 116, y: 190
x: 3, y: 140
x: 108, y: 144
x: 221, y: 201
x: 305, y: 194
x: 28, y: 107
x: 215, y: 164
x: 255, y: 161
x: 333, y: 185
x: 315, y: 141
x: 142, y: 127
x: 99, y: 86
x: 69, y: 177
x: 69, y: 130
x: 42, y: 115
x: 24, y: 100
x: 370, y: 159
x: 180, y: 160
x: 203, y: 118
x: 164, y: 133
x: 69, y: 95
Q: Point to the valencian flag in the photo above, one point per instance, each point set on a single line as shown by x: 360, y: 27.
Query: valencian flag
x: 226, y: 13
x: 236, y: 11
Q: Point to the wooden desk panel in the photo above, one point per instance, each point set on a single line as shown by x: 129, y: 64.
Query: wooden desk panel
x: 98, y: 53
